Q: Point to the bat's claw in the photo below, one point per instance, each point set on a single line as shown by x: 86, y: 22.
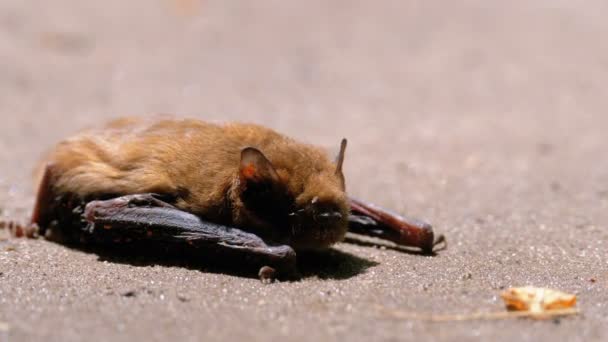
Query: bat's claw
x: 440, y: 240
x: 267, y: 274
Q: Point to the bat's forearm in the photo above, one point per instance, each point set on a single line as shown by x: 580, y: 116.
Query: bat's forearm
x: 368, y: 219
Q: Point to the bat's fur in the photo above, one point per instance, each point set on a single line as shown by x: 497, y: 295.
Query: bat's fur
x: 199, y: 165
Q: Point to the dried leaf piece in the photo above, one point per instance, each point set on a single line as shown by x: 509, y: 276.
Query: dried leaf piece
x: 537, y: 300
x: 530, y: 302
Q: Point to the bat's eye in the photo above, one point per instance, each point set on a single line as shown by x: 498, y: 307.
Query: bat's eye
x: 331, y: 215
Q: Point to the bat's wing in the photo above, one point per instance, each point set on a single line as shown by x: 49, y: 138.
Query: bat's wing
x: 145, y: 217
x: 368, y: 219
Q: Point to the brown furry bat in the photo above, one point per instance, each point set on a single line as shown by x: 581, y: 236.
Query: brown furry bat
x: 237, y: 187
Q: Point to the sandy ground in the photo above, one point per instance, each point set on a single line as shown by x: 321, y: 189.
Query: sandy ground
x: 486, y: 118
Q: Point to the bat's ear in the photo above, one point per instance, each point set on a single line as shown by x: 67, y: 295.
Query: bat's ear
x: 255, y: 167
x: 340, y: 162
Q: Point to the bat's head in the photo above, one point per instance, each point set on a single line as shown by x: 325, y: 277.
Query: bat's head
x: 300, y: 201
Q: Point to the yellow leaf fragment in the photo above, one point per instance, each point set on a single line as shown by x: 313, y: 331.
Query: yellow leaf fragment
x: 537, y: 300
x: 522, y: 302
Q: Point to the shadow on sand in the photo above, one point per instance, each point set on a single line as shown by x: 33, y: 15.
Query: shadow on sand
x: 363, y: 241
x: 326, y: 264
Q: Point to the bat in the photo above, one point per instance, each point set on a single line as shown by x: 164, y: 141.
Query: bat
x: 234, y: 189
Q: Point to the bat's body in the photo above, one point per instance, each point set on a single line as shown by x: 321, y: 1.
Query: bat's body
x: 198, y: 164
x: 234, y: 177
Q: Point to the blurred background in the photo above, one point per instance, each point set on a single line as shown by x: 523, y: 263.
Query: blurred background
x: 424, y: 77
x: 486, y: 117
x: 474, y: 81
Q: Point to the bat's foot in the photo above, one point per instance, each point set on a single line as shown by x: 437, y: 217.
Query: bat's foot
x: 19, y: 230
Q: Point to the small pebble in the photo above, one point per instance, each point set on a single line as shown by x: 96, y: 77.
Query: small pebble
x: 130, y: 293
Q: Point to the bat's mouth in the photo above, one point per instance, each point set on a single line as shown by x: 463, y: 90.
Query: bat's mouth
x: 317, y: 230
